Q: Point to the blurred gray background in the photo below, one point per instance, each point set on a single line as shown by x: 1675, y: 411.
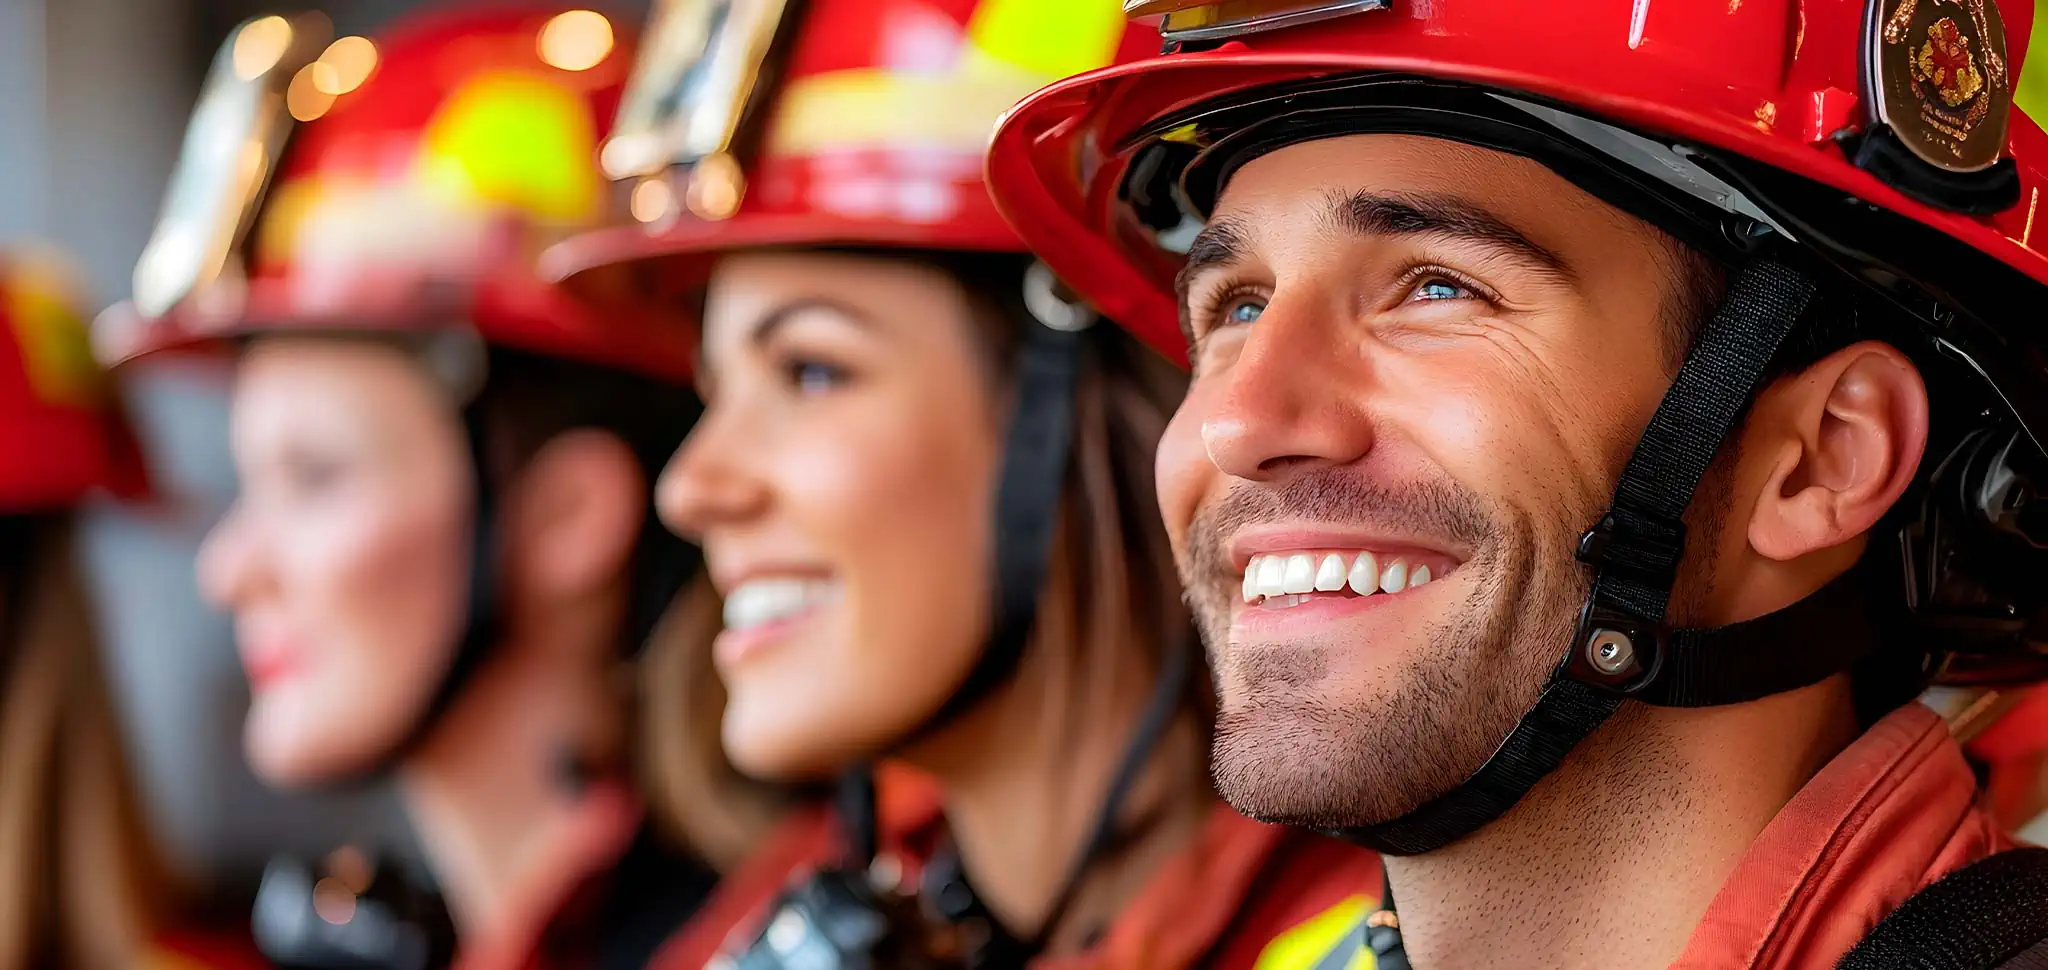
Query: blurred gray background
x: 93, y: 100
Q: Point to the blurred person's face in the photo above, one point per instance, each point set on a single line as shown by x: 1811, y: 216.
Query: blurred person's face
x: 839, y: 482
x: 346, y: 559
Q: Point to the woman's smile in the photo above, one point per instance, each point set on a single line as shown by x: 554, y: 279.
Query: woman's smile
x: 766, y: 609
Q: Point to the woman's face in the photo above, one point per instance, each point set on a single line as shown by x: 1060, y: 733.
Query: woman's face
x: 345, y: 561
x: 840, y: 484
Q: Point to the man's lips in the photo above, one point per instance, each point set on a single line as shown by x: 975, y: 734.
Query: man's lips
x: 1365, y: 618
x: 1288, y: 539
x: 1256, y: 623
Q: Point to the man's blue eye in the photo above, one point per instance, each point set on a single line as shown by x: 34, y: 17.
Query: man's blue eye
x: 1244, y: 312
x: 1438, y: 289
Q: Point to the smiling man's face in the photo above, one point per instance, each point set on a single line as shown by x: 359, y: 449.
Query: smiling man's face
x: 1419, y: 368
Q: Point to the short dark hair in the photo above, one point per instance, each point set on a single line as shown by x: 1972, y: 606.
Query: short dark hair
x: 1846, y: 313
x: 1694, y: 284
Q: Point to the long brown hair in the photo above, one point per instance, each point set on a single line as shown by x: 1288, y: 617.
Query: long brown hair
x: 81, y: 883
x: 679, y: 759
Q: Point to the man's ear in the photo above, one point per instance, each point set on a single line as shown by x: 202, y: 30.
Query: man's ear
x: 1841, y: 441
x: 572, y: 519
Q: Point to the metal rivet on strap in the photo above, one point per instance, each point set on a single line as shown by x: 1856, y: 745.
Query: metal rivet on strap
x: 1610, y: 652
x: 787, y: 931
x: 885, y: 874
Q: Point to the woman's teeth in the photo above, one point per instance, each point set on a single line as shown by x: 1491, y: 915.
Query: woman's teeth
x: 1287, y: 579
x: 760, y: 601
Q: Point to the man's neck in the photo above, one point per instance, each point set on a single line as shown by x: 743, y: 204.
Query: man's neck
x: 1612, y: 860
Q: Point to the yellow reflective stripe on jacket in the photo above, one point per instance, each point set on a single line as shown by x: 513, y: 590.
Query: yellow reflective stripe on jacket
x: 1332, y: 940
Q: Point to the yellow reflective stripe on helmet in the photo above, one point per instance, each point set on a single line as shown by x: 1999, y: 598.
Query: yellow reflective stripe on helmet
x: 289, y: 207
x: 56, y: 350
x: 1331, y: 940
x: 870, y: 108
x: 2030, y: 89
x: 1051, y: 38
x: 1011, y: 48
x: 516, y: 140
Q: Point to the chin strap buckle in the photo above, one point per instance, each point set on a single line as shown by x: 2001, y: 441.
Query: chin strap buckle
x: 1643, y: 544
x: 1615, y: 652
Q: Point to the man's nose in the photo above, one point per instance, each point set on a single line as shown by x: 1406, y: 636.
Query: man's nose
x: 1291, y: 400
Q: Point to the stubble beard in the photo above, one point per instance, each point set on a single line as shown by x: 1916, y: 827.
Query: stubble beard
x: 1296, y: 744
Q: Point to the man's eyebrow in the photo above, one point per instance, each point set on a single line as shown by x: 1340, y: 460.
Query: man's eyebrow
x: 1401, y: 214
x: 1221, y: 242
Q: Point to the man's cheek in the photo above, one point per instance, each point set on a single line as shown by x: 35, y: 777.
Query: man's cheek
x: 1475, y: 415
x: 1235, y: 686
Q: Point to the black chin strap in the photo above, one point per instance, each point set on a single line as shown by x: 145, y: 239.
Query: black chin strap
x: 1036, y: 447
x: 20, y: 535
x: 662, y: 565
x: 1798, y: 646
x: 1621, y: 649
x: 481, y: 627
x: 1027, y: 502
x: 1035, y: 454
x: 1145, y: 738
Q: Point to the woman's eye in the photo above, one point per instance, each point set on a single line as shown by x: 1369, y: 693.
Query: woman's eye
x: 1438, y: 288
x: 1243, y: 312
x: 312, y: 476
x: 814, y: 377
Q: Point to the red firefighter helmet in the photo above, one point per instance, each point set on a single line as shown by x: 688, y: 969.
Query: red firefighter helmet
x: 61, y: 435
x: 1854, y: 135
x: 853, y: 122
x: 425, y: 172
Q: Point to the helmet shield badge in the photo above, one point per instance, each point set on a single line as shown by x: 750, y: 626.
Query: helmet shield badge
x: 1940, y: 93
x: 237, y: 133
x: 703, y: 70
x: 1184, y: 21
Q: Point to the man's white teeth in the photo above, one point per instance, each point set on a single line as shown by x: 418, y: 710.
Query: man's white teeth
x: 1301, y: 574
x: 1262, y: 577
x: 1395, y: 577
x: 1365, y: 574
x: 1284, y: 580
x: 1330, y: 575
x: 760, y: 601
